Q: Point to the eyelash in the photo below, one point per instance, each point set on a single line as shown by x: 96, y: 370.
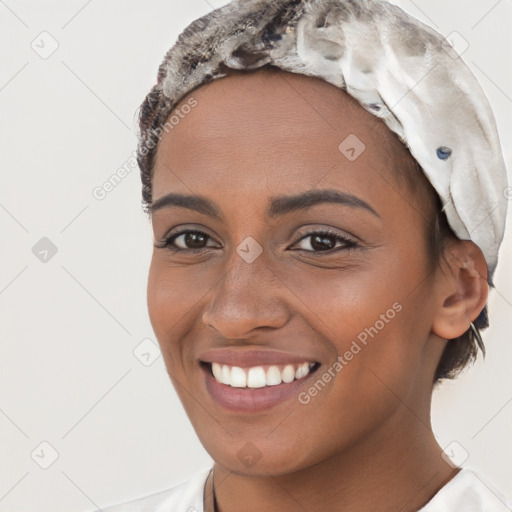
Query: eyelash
x: 349, y: 245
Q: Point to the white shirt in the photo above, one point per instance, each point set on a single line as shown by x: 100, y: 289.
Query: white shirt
x: 466, y: 492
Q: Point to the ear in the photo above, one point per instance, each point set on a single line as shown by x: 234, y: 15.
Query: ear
x: 462, y: 288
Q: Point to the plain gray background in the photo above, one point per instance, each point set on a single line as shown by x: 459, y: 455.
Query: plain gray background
x: 73, y: 373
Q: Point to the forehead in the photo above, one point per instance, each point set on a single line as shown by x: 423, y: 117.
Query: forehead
x: 282, y: 129
x: 274, y: 100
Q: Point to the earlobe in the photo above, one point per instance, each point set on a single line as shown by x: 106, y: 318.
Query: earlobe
x: 463, y: 289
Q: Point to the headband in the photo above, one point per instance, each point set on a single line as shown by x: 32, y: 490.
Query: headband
x: 397, y: 68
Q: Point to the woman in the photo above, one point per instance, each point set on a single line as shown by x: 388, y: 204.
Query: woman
x: 325, y: 185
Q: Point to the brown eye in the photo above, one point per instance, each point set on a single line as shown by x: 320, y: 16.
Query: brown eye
x: 320, y: 241
x: 187, y: 240
x: 191, y: 240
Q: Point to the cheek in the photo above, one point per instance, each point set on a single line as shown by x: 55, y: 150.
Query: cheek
x: 358, y: 296
x: 173, y: 292
x: 375, y: 318
x: 162, y: 296
x: 173, y: 297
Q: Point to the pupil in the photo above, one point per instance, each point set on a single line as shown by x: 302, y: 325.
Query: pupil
x: 322, y: 242
x: 194, y: 240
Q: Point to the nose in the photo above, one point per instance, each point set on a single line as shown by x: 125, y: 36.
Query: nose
x: 248, y: 297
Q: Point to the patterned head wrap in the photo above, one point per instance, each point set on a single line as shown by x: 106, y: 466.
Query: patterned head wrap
x: 396, y: 67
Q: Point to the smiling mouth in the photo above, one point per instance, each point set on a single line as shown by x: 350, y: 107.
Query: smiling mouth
x: 259, y: 376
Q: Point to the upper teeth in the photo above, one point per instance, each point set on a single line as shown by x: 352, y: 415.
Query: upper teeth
x: 257, y: 377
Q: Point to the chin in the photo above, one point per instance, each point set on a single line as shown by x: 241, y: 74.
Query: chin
x: 262, y: 457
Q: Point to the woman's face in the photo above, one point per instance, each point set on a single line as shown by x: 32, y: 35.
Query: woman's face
x: 292, y: 247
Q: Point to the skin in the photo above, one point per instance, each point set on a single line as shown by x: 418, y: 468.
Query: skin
x: 366, y: 438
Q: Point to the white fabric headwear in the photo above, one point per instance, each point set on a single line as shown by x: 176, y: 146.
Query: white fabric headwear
x: 395, y: 66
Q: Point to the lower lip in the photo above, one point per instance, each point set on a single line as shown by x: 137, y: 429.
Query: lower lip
x: 252, y: 400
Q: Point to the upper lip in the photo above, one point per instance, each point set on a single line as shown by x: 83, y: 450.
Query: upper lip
x: 252, y: 357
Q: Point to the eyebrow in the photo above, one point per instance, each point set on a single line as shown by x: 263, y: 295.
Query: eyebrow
x: 286, y: 204
x: 280, y: 205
